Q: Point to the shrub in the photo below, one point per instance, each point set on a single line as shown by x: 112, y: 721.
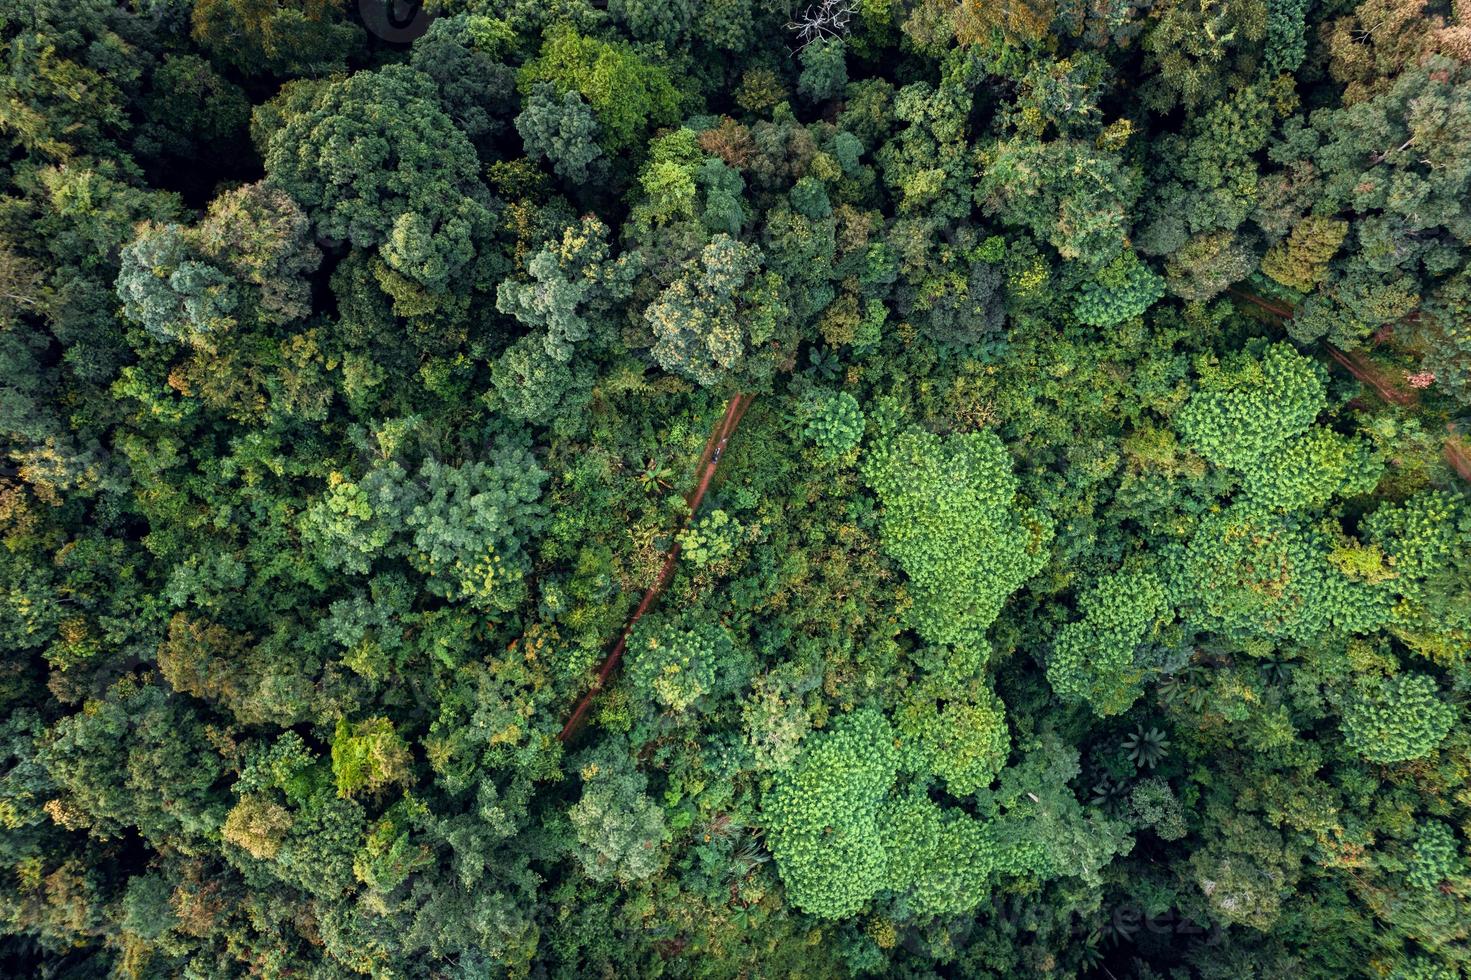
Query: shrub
x: 1397, y: 720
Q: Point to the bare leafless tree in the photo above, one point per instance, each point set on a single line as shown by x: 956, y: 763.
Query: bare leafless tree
x: 824, y: 19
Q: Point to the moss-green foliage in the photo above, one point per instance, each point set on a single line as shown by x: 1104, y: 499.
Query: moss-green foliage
x: 1255, y: 416
x: 466, y: 57
x: 628, y: 94
x: 1069, y: 193
x: 1309, y: 470
x: 835, y: 423
x: 291, y: 821
x: 677, y: 667
x: 619, y: 830
x: 374, y: 160
x: 1397, y: 719
x: 670, y: 179
x: 1248, y: 572
x: 1442, y: 335
x: 572, y: 284
x: 841, y: 835
x: 531, y: 384
x: 1386, y: 272
x: 823, y: 815
x: 720, y: 318
x: 1035, y: 824
x: 1122, y: 289
x: 1301, y: 261
x: 939, y: 859
x: 1094, y: 659
x: 824, y: 72
x: 146, y: 909
x: 1154, y: 805
x: 470, y: 528
x: 394, y: 847
x: 709, y: 539
x: 354, y: 520
x: 245, y: 262
x: 952, y: 521
x: 1435, y: 856
x: 295, y: 37
x: 134, y: 759
x: 956, y: 733
x: 368, y: 756
x: 1423, y: 553
x: 1062, y: 604
x: 170, y: 293
x: 561, y: 130
x: 1245, y: 409
x: 1423, y: 968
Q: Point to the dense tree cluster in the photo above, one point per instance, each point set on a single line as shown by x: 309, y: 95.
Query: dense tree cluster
x: 1057, y: 413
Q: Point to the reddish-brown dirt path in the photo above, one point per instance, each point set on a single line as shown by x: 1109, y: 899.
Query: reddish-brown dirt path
x: 1353, y: 362
x: 1457, y: 453
x: 704, y: 472
x: 1457, y: 456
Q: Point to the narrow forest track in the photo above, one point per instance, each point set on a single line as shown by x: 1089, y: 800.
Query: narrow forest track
x: 1456, y: 455
x: 709, y: 464
x: 1354, y: 363
x: 705, y: 470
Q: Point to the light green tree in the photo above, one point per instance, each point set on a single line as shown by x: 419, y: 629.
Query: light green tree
x: 1095, y: 659
x: 953, y: 521
x: 1398, y: 719
x: 822, y: 816
x: 1121, y: 290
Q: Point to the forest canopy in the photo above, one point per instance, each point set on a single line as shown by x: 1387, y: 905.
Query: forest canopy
x: 657, y: 488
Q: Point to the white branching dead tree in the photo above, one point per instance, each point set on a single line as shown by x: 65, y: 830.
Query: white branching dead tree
x: 825, y: 19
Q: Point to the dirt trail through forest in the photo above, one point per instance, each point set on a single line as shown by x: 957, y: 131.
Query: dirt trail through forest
x: 704, y: 473
x: 1355, y: 363
x: 1456, y: 455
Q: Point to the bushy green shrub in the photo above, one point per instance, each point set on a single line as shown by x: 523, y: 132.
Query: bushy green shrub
x: 620, y: 832
x: 628, y: 94
x: 469, y: 531
x: 1247, y: 408
x: 1427, y: 564
x: 959, y: 736
x: 836, y: 423
x: 1309, y: 470
x: 939, y: 860
x: 711, y: 538
x: 677, y: 667
x: 1435, y: 856
x: 1398, y: 719
x: 824, y: 72
x: 172, y: 293
x: 1247, y: 572
x: 374, y: 160
x: 1121, y: 290
x: 720, y: 316
x: 822, y: 816
x: 561, y: 130
x: 1153, y: 804
x: 953, y: 522
x: 368, y: 756
x: 1093, y: 659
